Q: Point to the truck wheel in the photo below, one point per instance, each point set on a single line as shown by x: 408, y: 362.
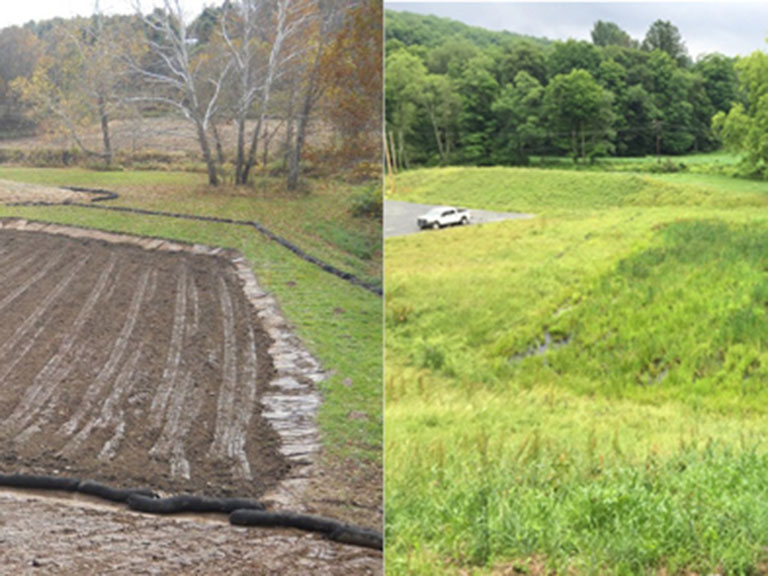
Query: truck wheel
x: 464, y: 221
x: 436, y: 226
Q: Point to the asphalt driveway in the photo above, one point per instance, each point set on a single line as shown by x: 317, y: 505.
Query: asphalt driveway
x: 400, y: 217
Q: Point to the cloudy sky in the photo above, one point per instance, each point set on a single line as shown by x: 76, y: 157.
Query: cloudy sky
x: 734, y: 28
x: 17, y: 12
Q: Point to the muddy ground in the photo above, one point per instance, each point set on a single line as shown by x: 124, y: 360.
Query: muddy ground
x: 132, y: 367
x: 55, y: 535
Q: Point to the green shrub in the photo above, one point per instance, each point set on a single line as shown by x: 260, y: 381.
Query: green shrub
x: 368, y: 203
x: 668, y: 166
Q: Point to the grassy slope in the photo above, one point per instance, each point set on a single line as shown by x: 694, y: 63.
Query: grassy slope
x: 339, y: 322
x: 599, y: 453
x: 710, y: 162
x: 562, y: 192
x: 319, y: 222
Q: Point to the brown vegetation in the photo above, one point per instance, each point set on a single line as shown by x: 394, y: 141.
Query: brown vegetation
x: 243, y: 84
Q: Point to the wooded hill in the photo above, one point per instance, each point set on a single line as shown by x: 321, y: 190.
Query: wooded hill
x: 430, y: 31
x: 457, y: 94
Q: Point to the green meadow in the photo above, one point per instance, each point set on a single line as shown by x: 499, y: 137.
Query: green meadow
x: 582, y: 392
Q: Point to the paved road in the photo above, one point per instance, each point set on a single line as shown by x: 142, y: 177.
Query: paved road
x: 400, y: 217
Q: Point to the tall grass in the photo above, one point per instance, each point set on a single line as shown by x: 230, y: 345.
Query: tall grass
x: 592, y: 484
x: 583, y: 392
x: 564, y: 191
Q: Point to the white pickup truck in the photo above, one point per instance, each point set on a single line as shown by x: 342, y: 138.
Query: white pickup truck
x: 444, y: 216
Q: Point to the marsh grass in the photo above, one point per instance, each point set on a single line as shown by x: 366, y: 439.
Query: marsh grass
x: 560, y: 191
x: 587, y: 388
x: 720, y: 162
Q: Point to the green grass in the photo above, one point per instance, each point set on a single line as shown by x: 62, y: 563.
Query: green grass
x: 700, y: 159
x: 720, y: 162
x: 592, y: 485
x: 634, y: 443
x: 339, y: 322
x: 565, y: 191
x: 319, y: 221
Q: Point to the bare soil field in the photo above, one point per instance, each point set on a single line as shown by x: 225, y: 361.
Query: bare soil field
x: 132, y: 367
x: 56, y: 535
x: 19, y: 192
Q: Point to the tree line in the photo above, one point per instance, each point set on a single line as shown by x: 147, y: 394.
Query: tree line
x: 457, y: 94
x: 293, y: 62
x: 744, y: 128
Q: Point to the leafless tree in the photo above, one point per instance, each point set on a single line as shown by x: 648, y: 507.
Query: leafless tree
x: 247, y: 26
x: 180, y: 75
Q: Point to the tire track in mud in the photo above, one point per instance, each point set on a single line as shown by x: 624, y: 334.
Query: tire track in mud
x: 194, y: 297
x: 59, y: 366
x: 228, y: 443
x: 11, y: 253
x: 17, y: 262
x: 8, y: 366
x: 112, y: 414
x: 34, y: 279
x: 244, y: 406
x: 108, y: 406
x: 160, y: 401
x: 183, y: 408
x: 105, y: 374
x: 41, y: 309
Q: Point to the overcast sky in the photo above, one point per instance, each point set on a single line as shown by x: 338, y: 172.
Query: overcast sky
x: 17, y: 12
x: 735, y: 28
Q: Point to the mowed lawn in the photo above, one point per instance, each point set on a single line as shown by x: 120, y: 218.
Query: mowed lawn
x: 584, y: 392
x: 339, y: 322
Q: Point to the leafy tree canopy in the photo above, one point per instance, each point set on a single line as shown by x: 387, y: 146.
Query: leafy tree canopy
x: 609, y: 34
x: 664, y: 36
x: 467, y: 95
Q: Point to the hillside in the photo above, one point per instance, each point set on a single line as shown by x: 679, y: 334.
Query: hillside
x: 429, y: 30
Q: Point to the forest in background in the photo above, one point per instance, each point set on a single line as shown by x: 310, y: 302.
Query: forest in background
x: 457, y: 94
x: 251, y: 80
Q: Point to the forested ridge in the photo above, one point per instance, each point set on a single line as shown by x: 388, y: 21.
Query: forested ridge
x: 457, y: 94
